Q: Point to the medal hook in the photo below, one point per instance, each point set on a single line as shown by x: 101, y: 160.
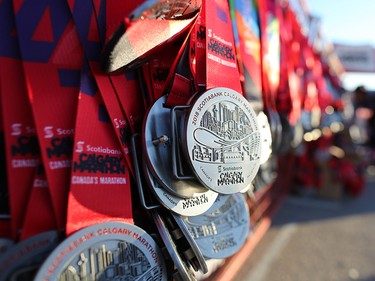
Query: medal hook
x: 162, y: 139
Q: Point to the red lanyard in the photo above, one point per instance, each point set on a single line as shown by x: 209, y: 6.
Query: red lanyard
x: 52, y: 58
x: 99, y: 158
x: 210, y: 55
x: 221, y: 62
x: 40, y: 216
x: 100, y: 182
x: 246, y: 20
x: 21, y: 144
x: 270, y: 51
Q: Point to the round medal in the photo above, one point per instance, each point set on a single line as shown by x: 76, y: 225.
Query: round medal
x: 276, y: 129
x: 196, y: 205
x: 266, y: 137
x: 199, y: 261
x: 181, y: 263
x: 157, y: 144
x: 221, y: 231
x: 5, y: 244
x: 105, y: 251
x: 223, y: 140
x: 267, y: 173
x: 22, y: 260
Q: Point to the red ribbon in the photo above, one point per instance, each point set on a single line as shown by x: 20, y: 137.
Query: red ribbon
x: 52, y: 58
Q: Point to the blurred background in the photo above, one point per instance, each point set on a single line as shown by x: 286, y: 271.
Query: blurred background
x: 316, y: 236
x: 348, y: 23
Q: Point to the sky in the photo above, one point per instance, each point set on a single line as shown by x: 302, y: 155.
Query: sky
x: 349, y: 22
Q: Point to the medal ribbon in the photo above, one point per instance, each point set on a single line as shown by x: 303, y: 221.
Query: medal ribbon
x: 100, y: 186
x: 289, y: 95
x: 85, y: 19
x: 221, y: 60
x: 31, y: 207
x: 100, y: 183
x: 212, y: 60
x: 246, y: 26
x: 5, y: 219
x: 283, y: 100
x: 52, y: 58
x: 39, y: 216
x: 126, y: 85
x: 270, y: 52
x: 21, y: 145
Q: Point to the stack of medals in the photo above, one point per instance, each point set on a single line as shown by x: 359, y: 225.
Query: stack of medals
x: 133, y: 139
x: 199, y: 149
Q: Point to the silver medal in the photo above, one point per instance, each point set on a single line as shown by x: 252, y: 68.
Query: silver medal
x: 105, y: 251
x: 23, y: 259
x: 183, y: 267
x: 157, y: 143
x: 223, y: 229
x: 266, y: 137
x: 5, y: 244
x: 197, y: 204
x: 200, y: 262
x: 223, y: 140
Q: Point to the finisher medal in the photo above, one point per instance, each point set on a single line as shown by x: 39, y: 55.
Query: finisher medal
x: 199, y: 260
x: 223, y: 140
x: 168, y: 235
x: 158, y: 151
x: 196, y: 205
x: 221, y: 231
x: 266, y: 137
x: 22, y: 260
x: 105, y: 251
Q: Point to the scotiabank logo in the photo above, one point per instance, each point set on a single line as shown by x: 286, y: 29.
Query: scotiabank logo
x: 79, y: 146
x: 48, y: 132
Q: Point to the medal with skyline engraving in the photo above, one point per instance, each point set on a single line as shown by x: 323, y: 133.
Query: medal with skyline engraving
x: 197, y: 258
x: 105, y: 251
x: 22, y: 260
x: 222, y: 230
x: 223, y: 140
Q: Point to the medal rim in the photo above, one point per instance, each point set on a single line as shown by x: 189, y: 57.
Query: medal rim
x: 198, y: 253
x: 158, y: 191
x: 45, y: 249
x: 183, y: 267
x: 42, y: 273
x: 208, y: 253
x: 266, y: 144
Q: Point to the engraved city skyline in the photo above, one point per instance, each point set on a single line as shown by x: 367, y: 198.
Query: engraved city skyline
x: 225, y: 218
x: 225, y: 135
x: 123, y: 263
